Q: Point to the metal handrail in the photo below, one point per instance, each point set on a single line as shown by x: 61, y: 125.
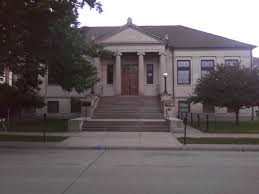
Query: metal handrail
x: 157, y: 90
x: 99, y: 95
x: 166, y: 114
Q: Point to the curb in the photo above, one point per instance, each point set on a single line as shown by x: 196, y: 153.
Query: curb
x: 140, y: 148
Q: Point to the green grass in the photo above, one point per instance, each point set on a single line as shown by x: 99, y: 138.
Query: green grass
x: 31, y: 138
x: 219, y: 140
x: 229, y: 127
x: 37, y: 125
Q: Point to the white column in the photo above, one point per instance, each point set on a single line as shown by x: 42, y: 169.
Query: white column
x: 118, y: 74
x: 97, y: 63
x: 162, y: 70
x: 141, y: 73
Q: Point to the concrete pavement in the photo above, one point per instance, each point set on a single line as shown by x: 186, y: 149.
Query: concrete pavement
x: 122, y: 140
x: 127, y: 172
x: 130, y: 140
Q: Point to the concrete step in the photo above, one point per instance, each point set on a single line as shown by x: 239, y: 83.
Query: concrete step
x: 140, y: 126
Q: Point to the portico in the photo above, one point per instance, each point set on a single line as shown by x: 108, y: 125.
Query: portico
x: 136, y: 73
x: 138, y: 64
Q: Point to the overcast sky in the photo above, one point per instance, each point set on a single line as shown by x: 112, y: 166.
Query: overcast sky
x: 235, y: 19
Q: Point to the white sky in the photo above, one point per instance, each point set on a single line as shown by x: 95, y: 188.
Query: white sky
x: 235, y: 19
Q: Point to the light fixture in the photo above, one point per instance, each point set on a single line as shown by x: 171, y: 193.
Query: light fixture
x: 165, y: 76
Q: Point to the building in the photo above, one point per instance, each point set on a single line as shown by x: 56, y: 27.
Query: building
x: 143, y: 54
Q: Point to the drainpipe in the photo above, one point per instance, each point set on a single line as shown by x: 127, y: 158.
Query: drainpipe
x: 252, y: 66
x: 173, y: 76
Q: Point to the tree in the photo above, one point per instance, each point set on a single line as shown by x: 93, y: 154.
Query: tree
x: 234, y: 87
x: 38, y: 34
x: 12, y: 100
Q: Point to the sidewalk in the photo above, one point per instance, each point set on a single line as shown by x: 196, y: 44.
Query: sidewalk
x: 129, y: 140
x: 192, y: 132
x: 122, y: 140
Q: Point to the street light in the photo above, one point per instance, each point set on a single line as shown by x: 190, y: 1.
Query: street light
x: 165, y: 76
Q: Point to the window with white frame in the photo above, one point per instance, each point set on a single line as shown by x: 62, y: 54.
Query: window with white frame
x: 183, y: 71
x: 206, y: 67
x: 231, y: 62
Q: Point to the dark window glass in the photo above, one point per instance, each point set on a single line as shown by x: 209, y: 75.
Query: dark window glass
x: 183, y: 72
x: 231, y: 61
x: 53, y: 106
x: 208, y: 108
x: 110, y: 74
x: 230, y: 110
x: 2, y: 77
x: 206, y: 67
x: 52, y: 76
x: 150, y: 72
x: 183, y: 106
x: 75, y: 106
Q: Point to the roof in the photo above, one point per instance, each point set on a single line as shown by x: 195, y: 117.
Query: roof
x: 180, y: 37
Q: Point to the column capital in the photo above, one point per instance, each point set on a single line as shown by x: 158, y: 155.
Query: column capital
x: 162, y: 53
x: 117, y: 53
x: 141, y: 53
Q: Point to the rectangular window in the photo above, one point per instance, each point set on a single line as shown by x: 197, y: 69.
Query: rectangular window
x: 208, y: 108
x: 150, y: 72
x: 230, y: 110
x: 2, y: 77
x: 231, y: 62
x: 183, y: 72
x: 206, y: 67
x: 75, y: 105
x: 52, y: 77
x: 110, y: 74
x: 53, y: 106
x: 183, y: 106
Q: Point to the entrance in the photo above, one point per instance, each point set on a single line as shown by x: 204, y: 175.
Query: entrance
x: 129, y: 80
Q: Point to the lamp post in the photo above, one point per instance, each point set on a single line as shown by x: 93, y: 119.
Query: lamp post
x: 165, y: 76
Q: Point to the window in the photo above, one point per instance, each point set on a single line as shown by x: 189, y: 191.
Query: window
x: 206, y: 67
x: 2, y: 77
x: 183, y: 72
x: 230, y: 110
x: 150, y: 73
x: 75, y: 105
x: 110, y: 74
x: 53, y: 106
x: 208, y: 108
x: 183, y: 106
x: 231, y: 62
x: 52, y: 77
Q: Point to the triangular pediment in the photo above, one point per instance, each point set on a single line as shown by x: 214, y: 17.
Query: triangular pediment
x: 130, y: 34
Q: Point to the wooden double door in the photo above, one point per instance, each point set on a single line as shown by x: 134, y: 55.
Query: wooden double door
x: 129, y: 80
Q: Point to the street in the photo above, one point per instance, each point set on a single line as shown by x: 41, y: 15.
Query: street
x: 31, y: 171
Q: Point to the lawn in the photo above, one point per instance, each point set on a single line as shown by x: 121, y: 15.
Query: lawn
x: 219, y: 140
x: 229, y: 126
x: 31, y: 138
x: 37, y: 124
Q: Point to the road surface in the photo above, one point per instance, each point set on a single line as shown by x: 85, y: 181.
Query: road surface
x: 128, y: 172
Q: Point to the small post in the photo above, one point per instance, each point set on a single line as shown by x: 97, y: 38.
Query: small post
x: 185, y: 122
x: 207, y: 122
x: 44, y: 127
x: 198, y: 117
x: 8, y: 119
x: 191, y: 119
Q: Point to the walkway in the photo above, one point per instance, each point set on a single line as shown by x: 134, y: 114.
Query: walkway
x: 122, y: 140
x: 192, y: 132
